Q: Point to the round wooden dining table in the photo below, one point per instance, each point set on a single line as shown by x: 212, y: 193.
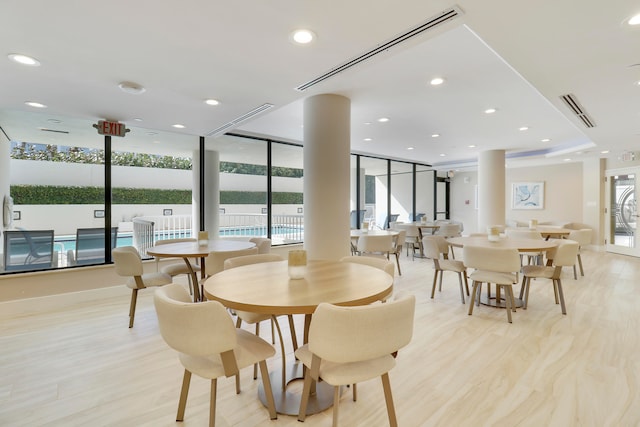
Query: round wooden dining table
x: 266, y: 288
x: 187, y: 250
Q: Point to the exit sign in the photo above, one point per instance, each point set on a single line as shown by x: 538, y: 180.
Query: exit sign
x: 106, y: 127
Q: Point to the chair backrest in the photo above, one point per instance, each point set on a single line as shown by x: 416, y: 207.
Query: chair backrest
x: 251, y: 259
x: 90, y: 244
x: 181, y: 323
x: 582, y: 236
x: 127, y: 261
x: 28, y: 249
x: 263, y: 244
x: 399, y: 240
x: 448, y: 230
x: 411, y: 230
x: 565, y: 253
x: 375, y: 244
x: 523, y: 234
x: 214, y: 263
x: 351, y: 334
x: 431, y: 247
x: 380, y: 263
x: 502, y: 260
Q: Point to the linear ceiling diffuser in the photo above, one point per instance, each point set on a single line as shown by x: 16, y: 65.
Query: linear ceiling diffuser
x: 433, y: 22
x: 573, y: 104
x: 243, y: 118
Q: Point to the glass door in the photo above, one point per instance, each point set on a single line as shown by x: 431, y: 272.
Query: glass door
x: 622, y: 212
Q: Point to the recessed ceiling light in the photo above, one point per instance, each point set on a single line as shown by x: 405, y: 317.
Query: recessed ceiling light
x: 604, y: 152
x: 35, y: 104
x: 436, y: 81
x: 638, y: 83
x: 435, y: 135
x: 368, y: 139
x: 490, y: 110
x: 545, y: 140
x: 567, y: 160
x: 303, y: 36
x: 383, y: 119
x: 367, y: 123
x: 634, y: 20
x: 524, y: 128
x: 178, y: 126
x: 410, y: 148
x: 132, y: 88
x: 137, y: 119
x: 212, y: 102
x: 471, y: 146
x: 24, y: 59
x: 442, y: 155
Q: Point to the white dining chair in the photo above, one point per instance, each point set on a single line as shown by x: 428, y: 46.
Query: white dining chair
x: 492, y: 265
x: 435, y: 248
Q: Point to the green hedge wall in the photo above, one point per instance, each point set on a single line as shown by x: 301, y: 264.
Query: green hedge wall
x: 59, y: 195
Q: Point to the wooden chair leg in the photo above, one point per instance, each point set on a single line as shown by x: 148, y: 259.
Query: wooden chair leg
x: 564, y: 308
x: 466, y: 282
x: 184, y: 392
x: 355, y: 392
x: 336, y: 402
x: 461, y: 287
x: 306, y: 391
x: 268, y: 391
x: 132, y: 306
x: 507, y: 302
x: 435, y: 279
x: 575, y: 274
x: 388, y: 397
x: 580, y: 264
x: 525, y: 302
x: 474, y: 290
x: 212, y: 403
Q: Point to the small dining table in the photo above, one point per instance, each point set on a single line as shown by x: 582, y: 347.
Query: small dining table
x: 187, y: 250
x: 522, y: 245
x: 547, y: 232
x: 266, y: 288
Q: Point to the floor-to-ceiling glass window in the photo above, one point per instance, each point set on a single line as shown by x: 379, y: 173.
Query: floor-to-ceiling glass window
x: 56, y: 173
x: 402, y: 191
x: 425, y: 176
x: 243, y: 209
x: 151, y: 184
x: 375, y: 188
x: 287, y: 179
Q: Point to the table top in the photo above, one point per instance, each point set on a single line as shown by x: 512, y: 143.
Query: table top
x: 193, y: 249
x: 522, y: 245
x: 266, y: 287
x: 546, y: 231
x: 358, y: 233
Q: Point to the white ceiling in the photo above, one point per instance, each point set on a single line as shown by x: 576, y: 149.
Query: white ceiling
x: 518, y: 57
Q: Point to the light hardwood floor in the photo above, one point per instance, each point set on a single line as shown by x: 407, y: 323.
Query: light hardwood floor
x: 80, y: 365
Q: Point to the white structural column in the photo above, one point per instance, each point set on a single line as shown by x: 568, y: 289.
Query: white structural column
x: 491, y: 189
x: 212, y: 195
x: 326, y: 176
x: 5, y: 179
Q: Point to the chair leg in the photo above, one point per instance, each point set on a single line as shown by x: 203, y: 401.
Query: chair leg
x: 354, y: 391
x: 255, y: 365
x: 575, y: 274
x: 268, y: 391
x: 306, y: 391
x: 398, y: 263
x: 474, y: 289
x: 522, y: 286
x: 440, y: 283
x: 507, y: 301
x: 461, y: 287
x: 336, y: 402
x: 388, y: 397
x: 527, y: 285
x: 580, y: 264
x: 564, y: 308
x: 132, y: 306
x: 212, y: 403
x: 466, y: 282
x: 435, y: 279
x: 184, y: 392
x: 294, y: 338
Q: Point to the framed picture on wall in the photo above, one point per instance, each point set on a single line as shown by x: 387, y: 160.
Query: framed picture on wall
x: 527, y: 195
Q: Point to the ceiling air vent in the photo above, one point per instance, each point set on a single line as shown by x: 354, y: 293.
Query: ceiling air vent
x: 53, y: 130
x: 574, y: 105
x: 243, y: 118
x: 431, y: 23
